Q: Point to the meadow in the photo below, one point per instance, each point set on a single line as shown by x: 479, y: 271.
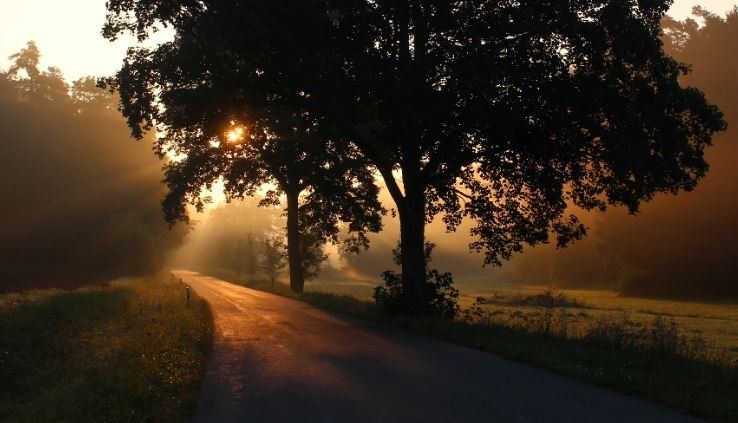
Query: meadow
x: 129, y: 351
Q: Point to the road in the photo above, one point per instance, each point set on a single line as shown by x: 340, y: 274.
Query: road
x: 280, y: 360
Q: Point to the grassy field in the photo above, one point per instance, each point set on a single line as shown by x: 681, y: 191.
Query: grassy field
x: 131, y: 351
x: 715, y: 323
x: 681, y: 355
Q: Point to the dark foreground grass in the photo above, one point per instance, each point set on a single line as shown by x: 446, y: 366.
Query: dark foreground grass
x: 703, y: 388
x: 131, y: 351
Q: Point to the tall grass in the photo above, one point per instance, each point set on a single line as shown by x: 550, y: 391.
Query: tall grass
x: 549, y: 314
x: 131, y: 351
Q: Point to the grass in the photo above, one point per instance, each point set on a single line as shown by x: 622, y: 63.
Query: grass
x: 652, y: 356
x: 715, y: 323
x: 131, y: 351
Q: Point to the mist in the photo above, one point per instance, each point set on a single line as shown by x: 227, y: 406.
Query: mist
x: 81, y: 201
x: 226, y: 236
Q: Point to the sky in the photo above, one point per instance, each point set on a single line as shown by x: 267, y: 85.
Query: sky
x: 68, y: 32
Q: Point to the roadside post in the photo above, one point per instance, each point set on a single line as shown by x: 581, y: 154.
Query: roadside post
x: 187, y: 295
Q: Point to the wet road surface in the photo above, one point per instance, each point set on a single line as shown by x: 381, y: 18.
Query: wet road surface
x: 276, y: 359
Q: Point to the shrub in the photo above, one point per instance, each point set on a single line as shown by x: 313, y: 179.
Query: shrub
x: 440, y: 295
x: 549, y: 298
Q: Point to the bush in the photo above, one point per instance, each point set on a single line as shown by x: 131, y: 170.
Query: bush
x: 439, y: 294
x: 549, y: 298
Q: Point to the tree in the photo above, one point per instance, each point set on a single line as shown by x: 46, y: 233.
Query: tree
x: 224, y: 118
x: 507, y: 113
x: 244, y: 255
x: 33, y: 84
x: 501, y: 112
x: 274, y: 257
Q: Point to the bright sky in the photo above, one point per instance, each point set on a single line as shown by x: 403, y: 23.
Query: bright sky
x: 68, y: 32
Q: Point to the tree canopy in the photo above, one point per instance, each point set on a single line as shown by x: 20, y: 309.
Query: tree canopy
x: 197, y: 90
x: 497, y: 111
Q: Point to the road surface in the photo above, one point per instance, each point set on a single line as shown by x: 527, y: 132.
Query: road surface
x: 280, y: 360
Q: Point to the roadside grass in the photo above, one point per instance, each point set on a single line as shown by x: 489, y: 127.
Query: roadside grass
x: 130, y: 351
x: 654, y: 359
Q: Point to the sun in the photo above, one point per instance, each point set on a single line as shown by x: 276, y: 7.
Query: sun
x: 235, y: 134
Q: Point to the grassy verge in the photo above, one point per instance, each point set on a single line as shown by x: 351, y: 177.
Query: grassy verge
x: 131, y: 351
x: 640, y: 360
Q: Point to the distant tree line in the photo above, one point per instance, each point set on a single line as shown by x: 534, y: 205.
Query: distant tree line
x: 81, y: 203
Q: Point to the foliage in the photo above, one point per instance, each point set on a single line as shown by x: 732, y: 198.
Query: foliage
x: 513, y: 111
x: 33, y: 84
x: 274, y: 258
x: 440, y: 295
x: 206, y: 84
x: 128, y: 352
x: 503, y: 113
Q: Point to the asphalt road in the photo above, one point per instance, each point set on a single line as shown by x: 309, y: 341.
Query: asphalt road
x: 281, y: 360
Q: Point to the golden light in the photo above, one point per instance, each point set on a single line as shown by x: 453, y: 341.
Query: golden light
x: 235, y: 135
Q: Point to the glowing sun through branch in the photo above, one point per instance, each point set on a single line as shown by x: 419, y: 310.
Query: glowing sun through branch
x: 236, y: 134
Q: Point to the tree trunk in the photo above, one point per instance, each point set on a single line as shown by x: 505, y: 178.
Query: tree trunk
x: 412, y: 245
x: 297, y: 280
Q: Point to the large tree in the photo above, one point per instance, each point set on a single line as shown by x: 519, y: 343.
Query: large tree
x: 503, y: 112
x: 509, y: 112
x: 221, y: 116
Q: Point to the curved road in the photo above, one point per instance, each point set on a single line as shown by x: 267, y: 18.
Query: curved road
x: 280, y: 360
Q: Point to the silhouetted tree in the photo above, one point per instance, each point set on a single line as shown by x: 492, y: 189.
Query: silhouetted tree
x: 33, y: 84
x: 505, y: 112
x: 274, y: 257
x: 500, y: 112
x: 199, y: 92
